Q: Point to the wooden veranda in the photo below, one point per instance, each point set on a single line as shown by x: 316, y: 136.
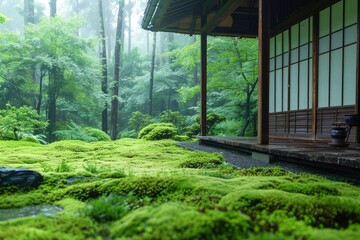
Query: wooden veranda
x: 318, y: 153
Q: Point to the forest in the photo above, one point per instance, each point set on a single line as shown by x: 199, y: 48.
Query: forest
x: 71, y: 66
x: 92, y: 110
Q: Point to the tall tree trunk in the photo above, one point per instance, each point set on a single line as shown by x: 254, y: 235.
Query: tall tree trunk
x: 52, y: 105
x: 162, y: 45
x: 52, y: 8
x: 39, y: 100
x: 29, y: 12
x: 29, y: 17
x: 104, y: 72
x: 108, y: 27
x: 129, y: 7
x: 152, y: 70
x: 115, y: 89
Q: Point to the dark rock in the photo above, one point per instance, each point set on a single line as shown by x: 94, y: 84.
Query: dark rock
x: 20, y: 177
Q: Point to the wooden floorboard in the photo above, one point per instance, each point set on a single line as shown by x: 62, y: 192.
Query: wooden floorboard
x: 303, y: 152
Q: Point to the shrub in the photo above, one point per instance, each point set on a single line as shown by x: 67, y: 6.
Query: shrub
x: 139, y: 120
x: 158, y: 131
x: 212, y: 119
x: 192, y: 130
x: 127, y: 134
x: 75, y: 132
x: 202, y: 160
x: 19, y: 120
x: 175, y: 118
x: 30, y: 139
x: 38, y: 138
x: 97, y: 133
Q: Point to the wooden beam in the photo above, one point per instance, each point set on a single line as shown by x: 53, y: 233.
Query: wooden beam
x: 300, y: 14
x: 264, y: 54
x: 315, y: 73
x: 247, y: 11
x: 193, y: 24
x: 208, y: 4
x: 229, y: 7
x: 203, y: 81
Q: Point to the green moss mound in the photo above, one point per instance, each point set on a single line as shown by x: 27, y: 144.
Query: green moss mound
x: 176, y: 221
x: 158, y: 131
x: 202, y: 160
x: 139, y: 189
x: 274, y: 171
x: 330, y: 211
x: 97, y: 133
x: 148, y: 186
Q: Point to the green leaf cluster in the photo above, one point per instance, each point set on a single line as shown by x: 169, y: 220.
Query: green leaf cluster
x: 74, y: 131
x: 3, y: 18
x: 23, y: 120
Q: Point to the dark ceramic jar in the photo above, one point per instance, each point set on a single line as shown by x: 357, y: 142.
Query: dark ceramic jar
x: 338, y: 133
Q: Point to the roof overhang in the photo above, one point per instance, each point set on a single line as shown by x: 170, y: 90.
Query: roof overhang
x: 224, y: 17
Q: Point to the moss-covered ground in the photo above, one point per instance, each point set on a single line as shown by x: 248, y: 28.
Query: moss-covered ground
x: 139, y: 189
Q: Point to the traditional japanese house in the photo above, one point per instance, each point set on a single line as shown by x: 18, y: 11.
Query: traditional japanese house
x: 308, y: 57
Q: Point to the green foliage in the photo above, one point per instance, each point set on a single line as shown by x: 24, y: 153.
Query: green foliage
x: 66, y: 71
x: 175, y: 118
x: 107, y: 208
x: 232, y: 81
x: 3, y: 19
x: 212, y: 119
x: 158, y: 131
x: 76, y: 132
x: 63, y: 167
x: 202, y: 160
x: 192, y: 130
x: 127, y: 134
x: 139, y: 120
x: 36, y: 138
x: 91, y: 167
x: 97, y: 133
x: 23, y: 120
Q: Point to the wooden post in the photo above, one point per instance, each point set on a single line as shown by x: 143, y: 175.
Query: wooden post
x: 315, y: 73
x: 203, y: 81
x: 264, y: 54
x: 357, y: 108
